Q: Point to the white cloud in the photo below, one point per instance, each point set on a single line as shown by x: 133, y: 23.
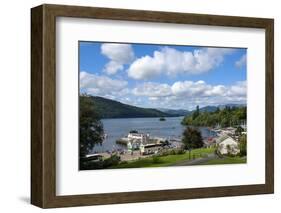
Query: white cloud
x: 119, y: 54
x: 241, y: 62
x: 183, y: 94
x: 190, y: 88
x: 169, y: 61
x: 150, y: 89
x: 238, y: 89
x: 101, y: 85
x: 179, y: 95
x: 112, y: 67
x: 197, y: 89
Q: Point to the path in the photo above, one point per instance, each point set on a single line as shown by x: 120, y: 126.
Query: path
x: 127, y: 156
x: 196, y: 161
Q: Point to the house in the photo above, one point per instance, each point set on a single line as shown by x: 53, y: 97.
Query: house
x: 230, y: 131
x: 150, y: 149
x: 228, y: 145
x: 209, y: 142
x: 138, y: 137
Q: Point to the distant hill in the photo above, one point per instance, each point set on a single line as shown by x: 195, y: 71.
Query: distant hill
x: 208, y: 109
x: 175, y: 112
x: 232, y: 105
x: 107, y: 108
x: 214, y: 108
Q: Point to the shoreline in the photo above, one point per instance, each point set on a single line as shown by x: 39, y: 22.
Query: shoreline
x: 142, y: 117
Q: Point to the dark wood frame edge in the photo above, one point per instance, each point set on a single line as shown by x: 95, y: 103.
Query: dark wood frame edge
x: 43, y: 105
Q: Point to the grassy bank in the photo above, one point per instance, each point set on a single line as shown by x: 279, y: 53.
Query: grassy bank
x: 168, y: 160
x: 226, y: 160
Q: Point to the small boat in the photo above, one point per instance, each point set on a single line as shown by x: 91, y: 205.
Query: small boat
x: 162, y: 119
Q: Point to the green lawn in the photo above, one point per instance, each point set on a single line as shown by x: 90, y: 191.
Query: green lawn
x: 226, y: 160
x: 164, y: 160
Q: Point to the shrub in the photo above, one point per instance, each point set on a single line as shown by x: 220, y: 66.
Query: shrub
x: 173, y: 152
x: 180, y: 151
x: 164, y: 153
x: 243, y: 145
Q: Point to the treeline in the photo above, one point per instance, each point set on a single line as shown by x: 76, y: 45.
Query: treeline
x: 228, y: 116
x: 107, y: 108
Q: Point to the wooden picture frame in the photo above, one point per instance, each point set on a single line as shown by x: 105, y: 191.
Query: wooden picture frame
x: 43, y: 105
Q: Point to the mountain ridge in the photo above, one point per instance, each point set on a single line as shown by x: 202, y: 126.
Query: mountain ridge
x: 108, y: 108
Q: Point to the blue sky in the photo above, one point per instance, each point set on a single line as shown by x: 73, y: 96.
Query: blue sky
x: 163, y: 76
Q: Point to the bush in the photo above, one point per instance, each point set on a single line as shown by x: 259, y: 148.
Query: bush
x: 243, y: 145
x: 180, y: 151
x: 173, y: 152
x: 164, y: 153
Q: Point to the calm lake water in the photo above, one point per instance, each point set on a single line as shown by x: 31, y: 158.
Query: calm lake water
x: 120, y: 127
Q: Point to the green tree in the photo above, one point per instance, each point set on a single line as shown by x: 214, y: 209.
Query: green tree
x: 229, y: 116
x: 243, y: 145
x: 239, y: 130
x: 90, y: 126
x: 192, y: 138
x: 196, y: 113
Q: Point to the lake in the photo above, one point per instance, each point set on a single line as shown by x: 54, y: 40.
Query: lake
x: 120, y: 127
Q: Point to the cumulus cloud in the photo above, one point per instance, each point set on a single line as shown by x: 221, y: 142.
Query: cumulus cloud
x: 180, y: 94
x: 169, y: 61
x: 101, y: 85
x: 241, y: 62
x: 189, y: 93
x: 238, y: 89
x: 119, y: 54
x: 152, y: 90
x: 190, y: 88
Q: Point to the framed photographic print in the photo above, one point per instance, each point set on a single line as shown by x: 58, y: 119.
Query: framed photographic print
x: 137, y: 106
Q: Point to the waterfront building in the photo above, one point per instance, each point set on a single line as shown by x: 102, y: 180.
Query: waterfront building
x: 228, y: 146
x: 138, y: 137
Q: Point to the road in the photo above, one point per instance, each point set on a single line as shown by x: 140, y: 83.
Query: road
x: 196, y: 161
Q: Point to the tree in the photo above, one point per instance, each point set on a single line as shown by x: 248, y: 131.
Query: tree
x: 239, y: 130
x: 243, y: 145
x: 192, y: 138
x: 90, y: 127
x: 224, y: 117
x: 196, y: 113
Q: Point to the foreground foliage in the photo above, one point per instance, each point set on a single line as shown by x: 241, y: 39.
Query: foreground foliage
x: 90, y: 126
